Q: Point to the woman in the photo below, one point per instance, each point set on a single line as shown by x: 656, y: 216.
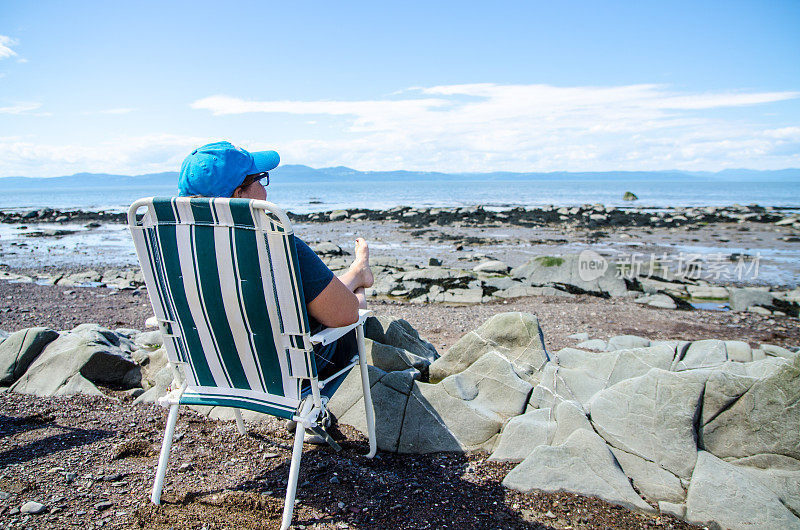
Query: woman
x: 220, y: 169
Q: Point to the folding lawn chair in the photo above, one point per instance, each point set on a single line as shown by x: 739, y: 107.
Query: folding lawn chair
x: 223, y: 279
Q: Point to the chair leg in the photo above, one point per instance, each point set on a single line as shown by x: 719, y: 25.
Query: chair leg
x: 294, y: 472
x: 368, y: 409
x: 239, y: 422
x: 158, y: 485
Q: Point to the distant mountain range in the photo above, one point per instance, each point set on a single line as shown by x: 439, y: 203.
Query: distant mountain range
x: 305, y: 173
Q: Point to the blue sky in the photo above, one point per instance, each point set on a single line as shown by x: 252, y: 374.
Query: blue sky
x: 455, y: 86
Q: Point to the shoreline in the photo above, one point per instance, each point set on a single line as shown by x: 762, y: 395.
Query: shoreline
x: 585, y: 215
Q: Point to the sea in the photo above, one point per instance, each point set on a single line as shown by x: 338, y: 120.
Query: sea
x: 303, y: 190
x: 304, y: 195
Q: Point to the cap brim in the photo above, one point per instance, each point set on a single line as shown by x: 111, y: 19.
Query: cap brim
x: 266, y: 160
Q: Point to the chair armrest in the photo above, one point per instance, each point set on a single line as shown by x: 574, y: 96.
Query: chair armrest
x: 328, y: 335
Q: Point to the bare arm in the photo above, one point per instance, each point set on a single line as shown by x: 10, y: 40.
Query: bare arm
x: 335, y: 306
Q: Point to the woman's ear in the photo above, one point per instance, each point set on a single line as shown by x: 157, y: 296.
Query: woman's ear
x: 237, y: 193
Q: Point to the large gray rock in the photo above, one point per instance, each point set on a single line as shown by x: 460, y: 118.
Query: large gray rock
x: 701, y: 354
x: 390, y: 358
x: 739, y: 351
x: 650, y: 479
x: 741, y: 299
x: 652, y: 416
x: 86, y: 350
x: 565, y: 271
x: 490, y: 385
x: 436, y: 421
x: 633, y: 362
x: 516, y: 336
x: 551, y: 389
x: 522, y: 434
x: 390, y: 395
x: 464, y: 411
x: 19, y: 350
x: 389, y: 406
x: 779, y: 473
x: 569, y: 418
x: 763, y: 420
x: 627, y: 341
x: 723, y: 388
x: 778, y: 351
x: 729, y: 496
x: 78, y: 384
x: 581, y: 375
x: 583, y: 464
x: 350, y: 391
x: 400, y: 334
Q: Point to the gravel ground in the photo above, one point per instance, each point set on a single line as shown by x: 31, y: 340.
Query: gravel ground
x: 91, y: 462
x: 27, y: 305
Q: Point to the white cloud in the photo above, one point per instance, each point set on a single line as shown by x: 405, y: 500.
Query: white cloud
x: 5, y: 47
x: 470, y: 127
x: 124, y: 155
x: 20, y: 108
x: 117, y: 111
x: 486, y: 126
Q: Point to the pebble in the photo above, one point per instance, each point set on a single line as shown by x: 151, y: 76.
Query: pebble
x: 334, y: 480
x: 100, y: 506
x: 185, y: 467
x: 32, y: 507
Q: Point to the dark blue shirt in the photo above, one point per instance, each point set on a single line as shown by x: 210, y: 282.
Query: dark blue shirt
x: 314, y: 275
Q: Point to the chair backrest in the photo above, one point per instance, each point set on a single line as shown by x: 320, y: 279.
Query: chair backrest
x: 223, y: 277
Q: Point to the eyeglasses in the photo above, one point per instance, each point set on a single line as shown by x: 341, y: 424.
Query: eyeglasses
x: 255, y: 177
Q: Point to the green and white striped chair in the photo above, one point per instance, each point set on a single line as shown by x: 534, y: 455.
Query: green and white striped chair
x: 223, y: 279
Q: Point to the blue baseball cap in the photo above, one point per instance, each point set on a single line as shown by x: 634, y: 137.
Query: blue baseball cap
x: 216, y: 169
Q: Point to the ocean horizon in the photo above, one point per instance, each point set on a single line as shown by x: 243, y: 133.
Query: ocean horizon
x: 312, y: 190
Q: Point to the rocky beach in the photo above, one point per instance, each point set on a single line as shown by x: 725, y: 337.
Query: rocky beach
x: 564, y: 367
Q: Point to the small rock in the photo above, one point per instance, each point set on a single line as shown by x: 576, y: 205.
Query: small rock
x: 32, y: 507
x: 100, y: 506
x: 493, y: 266
x: 593, y: 344
x: 185, y: 467
x: 661, y: 301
